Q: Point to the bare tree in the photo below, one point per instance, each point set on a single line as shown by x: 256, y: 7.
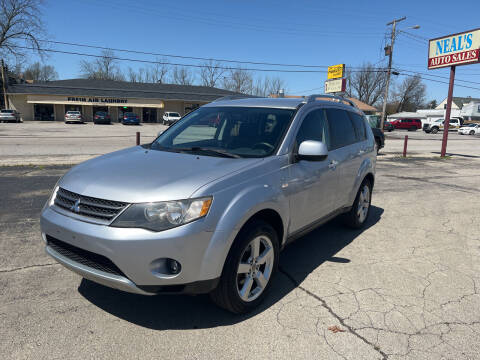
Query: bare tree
x: 211, y: 73
x: 367, y: 84
x: 158, y: 72
x: 410, y: 94
x: 40, y: 72
x: 182, y: 76
x: 239, y: 80
x: 103, y: 68
x: 267, y: 86
x: 20, y: 25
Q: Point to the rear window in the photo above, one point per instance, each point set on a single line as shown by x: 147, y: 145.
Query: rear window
x: 359, y: 126
x: 129, y: 114
x: 73, y: 112
x: 101, y: 113
x: 175, y: 114
x: 342, y: 132
x: 7, y: 111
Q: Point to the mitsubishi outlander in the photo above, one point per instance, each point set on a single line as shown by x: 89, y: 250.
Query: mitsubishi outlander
x: 208, y: 206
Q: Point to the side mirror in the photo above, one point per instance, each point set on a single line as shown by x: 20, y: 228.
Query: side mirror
x: 311, y: 150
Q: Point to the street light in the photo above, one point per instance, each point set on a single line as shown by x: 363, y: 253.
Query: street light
x: 389, y: 52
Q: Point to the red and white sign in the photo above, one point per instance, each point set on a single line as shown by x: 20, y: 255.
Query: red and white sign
x: 335, y: 85
x: 456, y: 49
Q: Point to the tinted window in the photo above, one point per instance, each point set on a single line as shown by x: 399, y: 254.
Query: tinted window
x: 314, y: 127
x: 341, y: 128
x: 359, y: 126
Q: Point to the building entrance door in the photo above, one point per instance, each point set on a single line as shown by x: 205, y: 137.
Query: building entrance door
x: 43, y: 112
x: 149, y: 115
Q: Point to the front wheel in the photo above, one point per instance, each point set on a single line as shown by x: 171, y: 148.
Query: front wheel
x: 434, y: 130
x: 249, y: 268
x: 472, y: 132
x: 358, y: 214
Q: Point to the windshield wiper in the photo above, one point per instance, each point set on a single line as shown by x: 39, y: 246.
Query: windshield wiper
x: 208, y: 150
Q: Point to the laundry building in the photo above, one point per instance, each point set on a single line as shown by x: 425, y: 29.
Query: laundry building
x: 51, y: 100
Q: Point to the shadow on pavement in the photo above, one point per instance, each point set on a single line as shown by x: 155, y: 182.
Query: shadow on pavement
x: 163, y: 312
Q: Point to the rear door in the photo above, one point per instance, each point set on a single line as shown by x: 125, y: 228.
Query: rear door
x: 346, y: 151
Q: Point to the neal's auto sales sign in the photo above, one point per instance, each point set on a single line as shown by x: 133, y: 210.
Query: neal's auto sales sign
x: 457, y: 49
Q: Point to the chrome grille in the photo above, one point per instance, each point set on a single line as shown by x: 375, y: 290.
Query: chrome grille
x: 88, y: 206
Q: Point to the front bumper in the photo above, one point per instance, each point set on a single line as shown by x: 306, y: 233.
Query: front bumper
x: 134, y: 251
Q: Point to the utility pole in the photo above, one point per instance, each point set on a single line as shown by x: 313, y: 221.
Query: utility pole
x: 4, y: 84
x: 390, y: 54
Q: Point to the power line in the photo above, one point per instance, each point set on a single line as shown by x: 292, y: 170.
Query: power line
x: 352, y: 69
x: 181, y: 56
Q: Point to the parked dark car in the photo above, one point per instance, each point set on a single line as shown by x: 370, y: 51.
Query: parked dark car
x: 101, y: 117
x: 388, y: 126
x: 407, y: 124
x: 379, y: 138
x: 130, y: 118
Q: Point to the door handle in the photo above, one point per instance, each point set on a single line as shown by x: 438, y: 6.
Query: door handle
x: 333, y: 165
x: 360, y: 152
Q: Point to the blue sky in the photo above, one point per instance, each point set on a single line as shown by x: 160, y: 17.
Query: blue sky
x: 298, y: 32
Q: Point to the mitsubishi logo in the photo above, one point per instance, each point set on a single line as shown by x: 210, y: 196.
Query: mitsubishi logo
x: 76, y: 207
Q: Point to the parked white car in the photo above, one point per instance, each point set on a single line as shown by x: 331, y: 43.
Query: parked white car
x: 170, y: 117
x: 470, y: 129
x: 9, y: 116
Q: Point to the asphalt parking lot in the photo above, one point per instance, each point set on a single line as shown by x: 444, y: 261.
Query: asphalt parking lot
x: 405, y: 287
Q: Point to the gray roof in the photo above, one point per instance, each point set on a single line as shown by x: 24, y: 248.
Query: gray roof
x: 121, y: 89
x: 460, y: 101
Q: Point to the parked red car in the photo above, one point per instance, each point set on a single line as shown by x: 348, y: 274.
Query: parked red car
x: 407, y: 124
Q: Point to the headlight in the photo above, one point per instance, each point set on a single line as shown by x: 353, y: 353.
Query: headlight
x: 163, y: 215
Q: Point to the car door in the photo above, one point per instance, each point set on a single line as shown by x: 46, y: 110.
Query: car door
x: 346, y: 151
x: 311, y: 185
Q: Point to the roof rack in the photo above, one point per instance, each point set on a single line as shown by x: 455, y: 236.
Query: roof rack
x: 234, y: 97
x: 314, y: 97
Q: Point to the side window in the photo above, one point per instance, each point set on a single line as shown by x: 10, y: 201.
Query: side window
x: 358, y: 125
x: 314, y: 127
x: 342, y: 132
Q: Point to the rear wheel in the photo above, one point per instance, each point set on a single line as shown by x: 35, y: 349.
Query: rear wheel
x: 249, y: 268
x: 358, y: 214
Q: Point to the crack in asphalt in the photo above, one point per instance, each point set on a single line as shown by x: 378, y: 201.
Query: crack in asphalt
x: 329, y: 309
x: 27, y: 267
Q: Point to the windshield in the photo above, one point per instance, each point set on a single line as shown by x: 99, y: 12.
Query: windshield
x: 101, y: 113
x: 129, y: 114
x: 227, y: 131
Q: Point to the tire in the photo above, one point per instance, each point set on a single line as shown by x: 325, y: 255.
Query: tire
x: 233, y: 283
x: 357, y: 217
x: 413, y: 128
x: 472, y: 132
x: 434, y: 130
x: 378, y: 146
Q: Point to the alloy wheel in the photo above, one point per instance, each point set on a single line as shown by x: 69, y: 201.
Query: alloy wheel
x: 255, y: 268
x: 363, y: 203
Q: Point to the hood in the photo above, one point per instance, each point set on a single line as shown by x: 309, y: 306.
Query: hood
x: 137, y: 175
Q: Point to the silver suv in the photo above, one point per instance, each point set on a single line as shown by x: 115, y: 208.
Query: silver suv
x: 208, y: 205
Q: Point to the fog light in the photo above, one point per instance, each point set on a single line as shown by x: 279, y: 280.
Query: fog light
x: 174, y: 266
x: 165, y: 267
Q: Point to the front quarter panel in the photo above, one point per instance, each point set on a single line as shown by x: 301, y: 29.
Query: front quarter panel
x: 234, y: 206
